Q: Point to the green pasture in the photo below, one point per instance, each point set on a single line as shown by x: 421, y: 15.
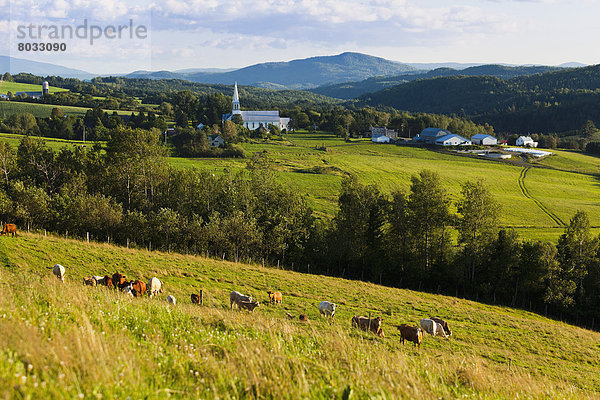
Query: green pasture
x: 8, y: 108
x: 15, y: 87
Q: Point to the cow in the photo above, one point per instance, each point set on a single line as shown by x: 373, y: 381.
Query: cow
x: 119, y: 281
x: 248, y: 305
x: 432, y: 327
x: 195, y: 298
x: 90, y: 281
x: 274, y: 297
x: 58, y: 271
x: 374, y: 324
x: 411, y: 333
x: 99, y: 280
x: 108, y: 282
x: 9, y: 229
x: 236, y: 297
x: 171, y: 299
x: 303, y: 318
x: 289, y: 316
x: 327, y: 309
x: 444, y: 325
x: 137, y: 288
x: 154, y: 287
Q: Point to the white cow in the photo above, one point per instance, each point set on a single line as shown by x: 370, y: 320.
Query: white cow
x: 58, y: 271
x: 433, y: 328
x: 154, y: 287
x: 237, y: 297
x: 171, y: 299
x: 327, y: 309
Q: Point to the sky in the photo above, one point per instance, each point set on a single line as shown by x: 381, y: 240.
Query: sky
x: 180, y: 34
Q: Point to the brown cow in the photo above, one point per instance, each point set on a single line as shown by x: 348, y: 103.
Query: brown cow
x: 363, y: 323
x: 108, y: 281
x: 195, y: 298
x: 444, y: 325
x: 118, y: 280
x: 90, y: 281
x: 248, y: 305
x: 138, y: 288
x: 274, y: 297
x: 9, y: 228
x: 411, y: 333
x: 303, y: 318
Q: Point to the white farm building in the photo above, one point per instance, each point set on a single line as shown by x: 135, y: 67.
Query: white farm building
x: 452, y: 140
x: 484, y: 139
x: 526, y: 141
x: 255, y: 119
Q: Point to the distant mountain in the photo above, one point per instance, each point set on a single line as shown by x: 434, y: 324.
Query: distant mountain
x: 296, y: 74
x: 572, y: 65
x: 16, y: 65
x: 351, y: 90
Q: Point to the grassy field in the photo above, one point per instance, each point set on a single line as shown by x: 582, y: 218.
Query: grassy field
x: 70, y: 341
x: 43, y: 110
x: 14, y: 87
x: 55, y: 144
x: 562, y: 184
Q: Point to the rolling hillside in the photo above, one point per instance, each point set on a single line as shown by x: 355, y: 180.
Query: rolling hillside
x: 351, y: 90
x: 562, y: 183
x: 69, y: 341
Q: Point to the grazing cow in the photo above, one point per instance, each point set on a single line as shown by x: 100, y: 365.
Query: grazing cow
x: 137, y: 288
x: 90, y: 281
x: 236, y: 297
x: 327, y: 309
x: 99, y: 279
x: 171, y: 299
x: 274, y: 297
x: 9, y: 229
x: 108, y: 281
x: 58, y: 271
x: 374, y: 325
x: 154, y: 287
x: 411, y: 333
x: 303, y: 318
x: 248, y: 305
x: 444, y: 325
x: 432, y: 327
x: 119, y: 281
x: 195, y: 298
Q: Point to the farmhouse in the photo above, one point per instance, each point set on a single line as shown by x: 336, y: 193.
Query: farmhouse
x: 215, y: 141
x: 452, y: 140
x: 430, y: 135
x: 484, y: 140
x: 255, y: 119
x: 377, y: 131
x: 526, y: 141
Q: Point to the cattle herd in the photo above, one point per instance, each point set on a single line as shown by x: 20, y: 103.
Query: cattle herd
x: 136, y: 288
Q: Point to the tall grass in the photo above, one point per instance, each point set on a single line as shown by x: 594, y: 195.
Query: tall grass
x: 68, y: 340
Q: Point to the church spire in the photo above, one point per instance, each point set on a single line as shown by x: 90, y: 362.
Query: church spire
x: 236, y: 101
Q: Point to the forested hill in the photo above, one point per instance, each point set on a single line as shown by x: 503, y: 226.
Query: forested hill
x: 298, y: 74
x: 556, y: 101
x: 351, y: 90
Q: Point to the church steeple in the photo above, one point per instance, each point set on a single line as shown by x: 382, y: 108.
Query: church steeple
x: 236, y: 101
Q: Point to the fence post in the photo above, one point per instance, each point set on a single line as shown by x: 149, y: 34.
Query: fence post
x: 27, y: 227
x: 201, y: 297
x: 108, y: 239
x: 127, y: 242
x: 66, y: 234
x: 44, y: 233
x: 87, y: 236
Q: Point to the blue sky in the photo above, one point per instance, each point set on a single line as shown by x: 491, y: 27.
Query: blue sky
x: 214, y: 33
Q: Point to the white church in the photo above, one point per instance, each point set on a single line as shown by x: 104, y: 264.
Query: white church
x: 255, y: 119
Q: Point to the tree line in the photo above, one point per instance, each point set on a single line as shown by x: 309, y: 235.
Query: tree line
x: 127, y: 193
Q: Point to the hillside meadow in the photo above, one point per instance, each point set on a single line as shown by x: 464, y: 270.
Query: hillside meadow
x: 70, y: 341
x: 316, y: 163
x: 14, y: 87
x: 8, y: 108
